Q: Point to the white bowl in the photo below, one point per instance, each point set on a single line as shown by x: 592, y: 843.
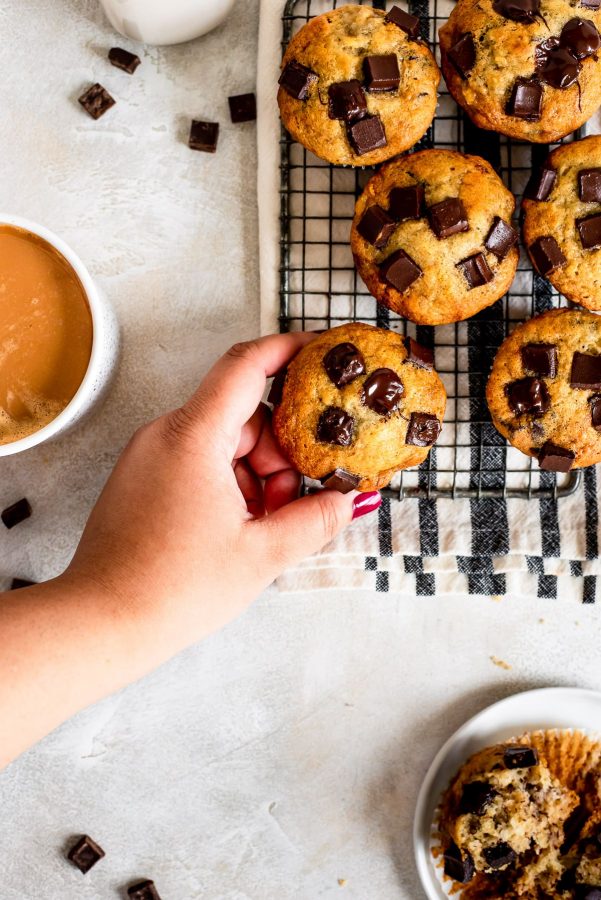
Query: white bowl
x: 541, y: 709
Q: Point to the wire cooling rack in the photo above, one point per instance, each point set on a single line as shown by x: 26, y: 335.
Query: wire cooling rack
x: 319, y: 288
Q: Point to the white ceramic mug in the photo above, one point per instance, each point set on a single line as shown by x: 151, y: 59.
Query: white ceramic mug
x: 165, y: 21
x: 105, y: 346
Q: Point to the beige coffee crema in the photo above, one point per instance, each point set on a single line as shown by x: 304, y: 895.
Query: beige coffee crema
x: 45, y: 333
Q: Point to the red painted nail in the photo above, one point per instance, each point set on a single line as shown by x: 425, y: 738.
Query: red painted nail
x: 366, y: 503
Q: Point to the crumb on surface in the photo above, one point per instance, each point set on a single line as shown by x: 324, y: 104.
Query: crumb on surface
x: 500, y: 663
x: 342, y: 882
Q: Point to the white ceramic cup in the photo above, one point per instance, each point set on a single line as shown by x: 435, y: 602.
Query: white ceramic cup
x: 165, y: 21
x: 105, y: 346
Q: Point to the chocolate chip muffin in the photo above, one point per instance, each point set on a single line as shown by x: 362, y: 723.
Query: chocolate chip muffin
x: 432, y: 236
x: 544, y: 390
x: 562, y: 221
x: 358, y: 85
x: 526, y: 68
x: 356, y: 405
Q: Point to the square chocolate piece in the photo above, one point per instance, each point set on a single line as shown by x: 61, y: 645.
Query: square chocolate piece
x: 123, y: 59
x: 552, y: 458
x: 476, y: 270
x: 376, y: 226
x: 144, y: 890
x: 367, y: 134
x: 448, y: 217
x: 422, y: 357
x: 463, y: 55
x: 501, y: 238
x: 400, y: 271
x: 243, y: 108
x: 547, y: 255
x: 406, y: 203
x: 16, y: 513
x: 346, y: 100
x: 586, y: 372
x: 18, y: 583
x: 85, y: 853
x: 541, y: 184
x: 296, y: 80
x: 96, y: 101
x: 423, y: 430
x: 204, y: 136
x: 589, y: 185
x: 340, y: 480
x: 526, y: 101
x: 405, y: 21
x: 381, y: 73
x: 589, y: 229
x: 541, y: 359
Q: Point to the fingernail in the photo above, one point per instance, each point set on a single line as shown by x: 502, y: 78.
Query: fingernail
x: 366, y: 503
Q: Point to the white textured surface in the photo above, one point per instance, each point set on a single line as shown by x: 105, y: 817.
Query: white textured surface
x: 285, y: 753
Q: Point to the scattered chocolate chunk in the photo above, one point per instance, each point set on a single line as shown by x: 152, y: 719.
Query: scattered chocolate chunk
x: 559, y: 67
x: 85, y: 853
x: 204, y: 136
x: 526, y: 100
x: 476, y: 270
x: 335, y: 426
x: 399, y: 270
x: 524, y: 11
x: 500, y: 856
x: 423, y: 430
x: 457, y: 865
x: 406, y: 203
x: 552, y: 458
x: 276, y: 390
x: 547, y: 255
x: 420, y: 356
x: 528, y: 396
x: 297, y: 79
x: 346, y: 100
x: 96, y: 101
x: 541, y: 184
x: 367, y: 134
x: 520, y: 757
x: 123, y: 59
x: 243, y: 108
x: 501, y: 238
x: 376, y: 226
x: 340, y: 480
x: 408, y: 23
x: 595, y: 403
x: 587, y: 892
x: 382, y: 391
x: 381, y: 73
x: 463, y: 55
x: 144, y: 890
x: 573, y: 826
x: 589, y: 229
x: 580, y: 37
x: 16, y: 513
x: 586, y: 371
x: 476, y: 796
x: 589, y: 185
x: 18, y: 583
x: 344, y: 363
x: 540, y: 359
x: 448, y: 217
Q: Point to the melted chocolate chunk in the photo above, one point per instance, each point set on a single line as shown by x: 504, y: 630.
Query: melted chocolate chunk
x: 500, y: 856
x: 586, y: 371
x: 595, y: 403
x: 204, y: 136
x: 382, y: 391
x: 422, y: 357
x: 528, y: 396
x: 376, y: 226
x: 405, y: 21
x: 520, y: 757
x: 526, y: 100
x: 96, y: 101
x: 463, y: 55
x: 344, y: 363
x: 243, y: 108
x: 406, y: 203
x: 589, y: 229
x: 590, y: 4
x: 580, y: 37
x: 346, y: 100
x: 423, y: 430
x: 476, y: 796
x: 17, y: 513
x: 587, y: 892
x: 335, y: 426
x: 448, y: 217
x: 297, y: 79
x: 457, y: 865
x: 381, y: 73
x: 589, y: 185
x: 85, y: 853
x: 501, y: 238
x: 340, y: 480
x: 144, y: 890
x: 524, y: 11
x: 541, y: 184
x: 573, y: 826
x: 540, y: 359
x: 367, y: 134
x: 400, y: 271
x: 547, y: 255
x: 552, y: 458
x: 559, y: 68
x: 276, y: 390
x: 18, y: 583
x: 124, y: 60
x: 476, y: 270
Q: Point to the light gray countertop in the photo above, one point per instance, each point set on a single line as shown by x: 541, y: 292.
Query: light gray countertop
x: 286, y: 752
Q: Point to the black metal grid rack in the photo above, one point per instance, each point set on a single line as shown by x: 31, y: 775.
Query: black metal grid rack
x: 320, y: 288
